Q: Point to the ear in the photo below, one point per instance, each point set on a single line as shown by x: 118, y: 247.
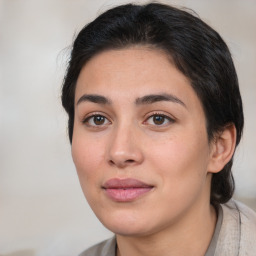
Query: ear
x: 222, y: 149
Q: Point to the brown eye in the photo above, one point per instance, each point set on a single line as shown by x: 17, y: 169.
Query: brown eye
x: 158, y: 120
x: 96, y: 120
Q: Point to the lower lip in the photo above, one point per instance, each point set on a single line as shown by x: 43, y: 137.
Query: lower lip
x: 126, y: 195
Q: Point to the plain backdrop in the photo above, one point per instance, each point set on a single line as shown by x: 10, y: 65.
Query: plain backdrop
x: 42, y: 208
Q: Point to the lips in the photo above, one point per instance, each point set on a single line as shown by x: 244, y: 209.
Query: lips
x: 125, y: 190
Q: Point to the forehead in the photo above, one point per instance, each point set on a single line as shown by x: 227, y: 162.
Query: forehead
x: 133, y: 72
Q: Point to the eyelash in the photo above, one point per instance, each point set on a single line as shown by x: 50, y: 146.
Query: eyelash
x: 86, y: 120
x: 166, y: 118
x: 154, y: 115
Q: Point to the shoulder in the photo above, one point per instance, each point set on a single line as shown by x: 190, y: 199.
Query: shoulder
x: 241, y: 214
x: 105, y: 248
x: 248, y: 228
x: 234, y: 207
x: 247, y: 214
x: 238, y: 230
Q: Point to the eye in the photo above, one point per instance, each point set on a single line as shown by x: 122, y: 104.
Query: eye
x: 96, y: 120
x: 159, y: 120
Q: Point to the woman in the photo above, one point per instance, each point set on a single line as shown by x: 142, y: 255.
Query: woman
x: 155, y: 115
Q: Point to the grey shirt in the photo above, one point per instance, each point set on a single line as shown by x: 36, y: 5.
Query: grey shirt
x: 234, y: 235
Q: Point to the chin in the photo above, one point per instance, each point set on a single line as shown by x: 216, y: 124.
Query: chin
x: 126, y: 224
x: 128, y: 230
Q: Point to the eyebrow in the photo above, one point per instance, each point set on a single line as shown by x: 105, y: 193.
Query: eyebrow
x: 94, y: 98
x: 147, y: 99
x: 152, y: 98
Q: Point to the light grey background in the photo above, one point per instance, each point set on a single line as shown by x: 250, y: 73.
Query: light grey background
x: 42, y: 209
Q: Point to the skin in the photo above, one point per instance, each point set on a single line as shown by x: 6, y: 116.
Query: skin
x: 175, y: 157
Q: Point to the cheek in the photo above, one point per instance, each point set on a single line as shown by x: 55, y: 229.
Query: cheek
x: 182, y: 176
x: 181, y: 160
x: 87, y: 156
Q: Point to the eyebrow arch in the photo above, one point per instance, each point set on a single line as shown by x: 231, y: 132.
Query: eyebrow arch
x: 152, y: 98
x: 94, y: 98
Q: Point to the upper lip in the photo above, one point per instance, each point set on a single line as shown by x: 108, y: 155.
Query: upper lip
x: 125, y: 183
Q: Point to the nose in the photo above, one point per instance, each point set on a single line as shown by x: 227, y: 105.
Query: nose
x: 125, y: 148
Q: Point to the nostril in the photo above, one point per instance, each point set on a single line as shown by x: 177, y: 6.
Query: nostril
x: 129, y: 161
x: 111, y: 162
x: 121, y: 163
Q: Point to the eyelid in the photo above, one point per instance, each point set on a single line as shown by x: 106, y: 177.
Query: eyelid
x: 87, y: 117
x: 170, y: 118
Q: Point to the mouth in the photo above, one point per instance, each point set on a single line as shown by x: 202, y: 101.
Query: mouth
x: 126, y: 190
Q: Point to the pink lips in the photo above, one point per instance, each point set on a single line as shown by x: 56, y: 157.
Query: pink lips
x: 125, y: 190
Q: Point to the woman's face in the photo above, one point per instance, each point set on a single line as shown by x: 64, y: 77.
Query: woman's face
x: 140, y: 144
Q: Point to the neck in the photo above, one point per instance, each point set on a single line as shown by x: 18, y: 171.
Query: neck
x: 189, y: 236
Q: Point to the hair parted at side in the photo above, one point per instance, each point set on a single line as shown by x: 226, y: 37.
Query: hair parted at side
x: 195, y: 49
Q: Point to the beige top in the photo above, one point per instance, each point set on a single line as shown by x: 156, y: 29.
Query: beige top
x: 235, y: 234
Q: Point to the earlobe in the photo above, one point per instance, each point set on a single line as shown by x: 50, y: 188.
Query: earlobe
x: 223, y: 147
